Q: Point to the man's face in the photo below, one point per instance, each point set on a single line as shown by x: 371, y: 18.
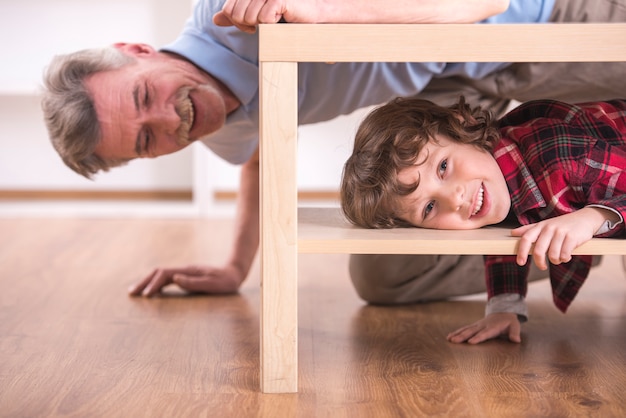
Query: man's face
x: 460, y: 187
x: 155, y: 106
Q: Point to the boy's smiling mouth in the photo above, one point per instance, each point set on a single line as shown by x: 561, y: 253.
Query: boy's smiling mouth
x: 478, y: 202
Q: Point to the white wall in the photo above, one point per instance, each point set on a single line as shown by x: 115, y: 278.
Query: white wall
x: 32, y: 31
x: 322, y: 150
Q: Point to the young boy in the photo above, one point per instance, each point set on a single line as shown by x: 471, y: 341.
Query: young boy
x: 559, y: 170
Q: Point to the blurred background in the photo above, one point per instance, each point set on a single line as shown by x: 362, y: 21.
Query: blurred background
x: 193, y: 182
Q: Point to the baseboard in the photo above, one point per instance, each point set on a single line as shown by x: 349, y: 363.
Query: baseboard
x: 304, y: 195
x: 85, y: 195
x: 143, y: 195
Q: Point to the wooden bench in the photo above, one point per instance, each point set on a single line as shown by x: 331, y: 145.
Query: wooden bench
x: 286, y: 231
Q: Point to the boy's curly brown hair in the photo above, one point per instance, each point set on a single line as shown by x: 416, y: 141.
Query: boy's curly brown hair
x: 389, y: 140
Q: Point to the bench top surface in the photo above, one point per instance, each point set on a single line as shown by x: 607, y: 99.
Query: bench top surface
x: 325, y: 230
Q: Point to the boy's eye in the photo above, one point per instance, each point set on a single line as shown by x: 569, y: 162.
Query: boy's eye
x: 428, y: 208
x: 443, y: 165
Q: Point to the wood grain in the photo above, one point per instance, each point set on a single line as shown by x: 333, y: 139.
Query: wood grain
x: 325, y: 231
x: 72, y: 343
x: 586, y: 42
x: 279, y: 201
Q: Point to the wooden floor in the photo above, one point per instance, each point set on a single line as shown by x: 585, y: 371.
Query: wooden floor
x: 73, y: 344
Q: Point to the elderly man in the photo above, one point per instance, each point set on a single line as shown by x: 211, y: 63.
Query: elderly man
x: 105, y: 107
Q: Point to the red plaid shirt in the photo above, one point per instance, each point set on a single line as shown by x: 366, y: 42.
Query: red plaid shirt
x: 558, y: 158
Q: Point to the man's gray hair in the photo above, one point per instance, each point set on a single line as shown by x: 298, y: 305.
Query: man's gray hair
x: 69, y: 110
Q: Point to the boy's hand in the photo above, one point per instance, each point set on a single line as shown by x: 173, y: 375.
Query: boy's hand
x: 491, y: 326
x: 556, y: 238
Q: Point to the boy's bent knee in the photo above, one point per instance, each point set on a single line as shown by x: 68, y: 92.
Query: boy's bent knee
x: 382, y: 278
x: 400, y: 278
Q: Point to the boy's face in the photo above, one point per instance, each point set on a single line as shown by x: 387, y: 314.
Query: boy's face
x: 460, y: 187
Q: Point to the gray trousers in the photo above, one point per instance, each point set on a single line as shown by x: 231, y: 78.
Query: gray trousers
x: 394, y: 279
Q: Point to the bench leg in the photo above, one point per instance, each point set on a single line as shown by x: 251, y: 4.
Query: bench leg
x: 279, y: 252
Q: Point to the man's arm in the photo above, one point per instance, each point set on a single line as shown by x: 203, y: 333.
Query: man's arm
x: 247, y: 218
x: 246, y: 14
x: 218, y: 280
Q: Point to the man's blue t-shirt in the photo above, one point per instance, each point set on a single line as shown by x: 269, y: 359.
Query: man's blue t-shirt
x: 325, y: 90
